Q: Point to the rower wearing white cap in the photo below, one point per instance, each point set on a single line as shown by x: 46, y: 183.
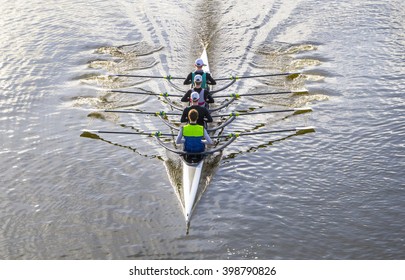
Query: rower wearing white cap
x: 205, y: 96
x: 204, y: 115
x: 206, y: 77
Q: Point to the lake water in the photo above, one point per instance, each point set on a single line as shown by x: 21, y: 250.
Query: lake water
x: 337, y: 193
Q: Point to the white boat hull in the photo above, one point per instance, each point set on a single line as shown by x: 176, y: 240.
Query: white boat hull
x: 191, y: 181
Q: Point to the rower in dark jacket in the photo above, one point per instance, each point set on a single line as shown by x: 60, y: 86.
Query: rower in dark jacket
x: 204, y: 115
x: 205, y: 96
x: 206, y: 77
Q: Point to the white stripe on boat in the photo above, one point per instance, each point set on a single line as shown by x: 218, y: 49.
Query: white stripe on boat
x: 191, y: 182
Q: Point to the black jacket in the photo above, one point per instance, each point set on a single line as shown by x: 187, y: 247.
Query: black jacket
x: 203, y: 115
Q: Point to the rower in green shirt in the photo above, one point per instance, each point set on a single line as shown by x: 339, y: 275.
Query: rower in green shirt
x: 192, y: 134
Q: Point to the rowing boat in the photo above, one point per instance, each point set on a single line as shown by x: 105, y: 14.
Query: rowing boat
x: 192, y: 170
x: 192, y: 165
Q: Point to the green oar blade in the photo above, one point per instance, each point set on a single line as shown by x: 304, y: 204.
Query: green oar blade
x: 300, y: 92
x: 298, y: 111
x: 89, y: 134
x: 292, y: 76
x: 303, y: 130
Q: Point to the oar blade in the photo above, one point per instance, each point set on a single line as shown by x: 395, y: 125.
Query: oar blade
x: 292, y: 76
x: 298, y: 111
x: 96, y: 115
x: 304, y: 130
x: 300, y: 92
x: 90, y: 134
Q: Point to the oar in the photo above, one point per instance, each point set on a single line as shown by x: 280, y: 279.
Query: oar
x: 90, y: 133
x: 297, y: 130
x: 237, y: 95
x: 168, y: 77
x: 161, y: 113
x: 147, y: 93
x: 232, y: 77
x: 295, y: 110
x: 236, y: 114
x: 288, y: 74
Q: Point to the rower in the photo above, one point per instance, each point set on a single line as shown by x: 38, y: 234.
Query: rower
x: 193, y: 134
x: 204, y: 115
x: 206, y: 77
x: 205, y: 95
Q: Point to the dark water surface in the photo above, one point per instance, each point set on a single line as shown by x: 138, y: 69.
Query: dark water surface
x: 335, y: 194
